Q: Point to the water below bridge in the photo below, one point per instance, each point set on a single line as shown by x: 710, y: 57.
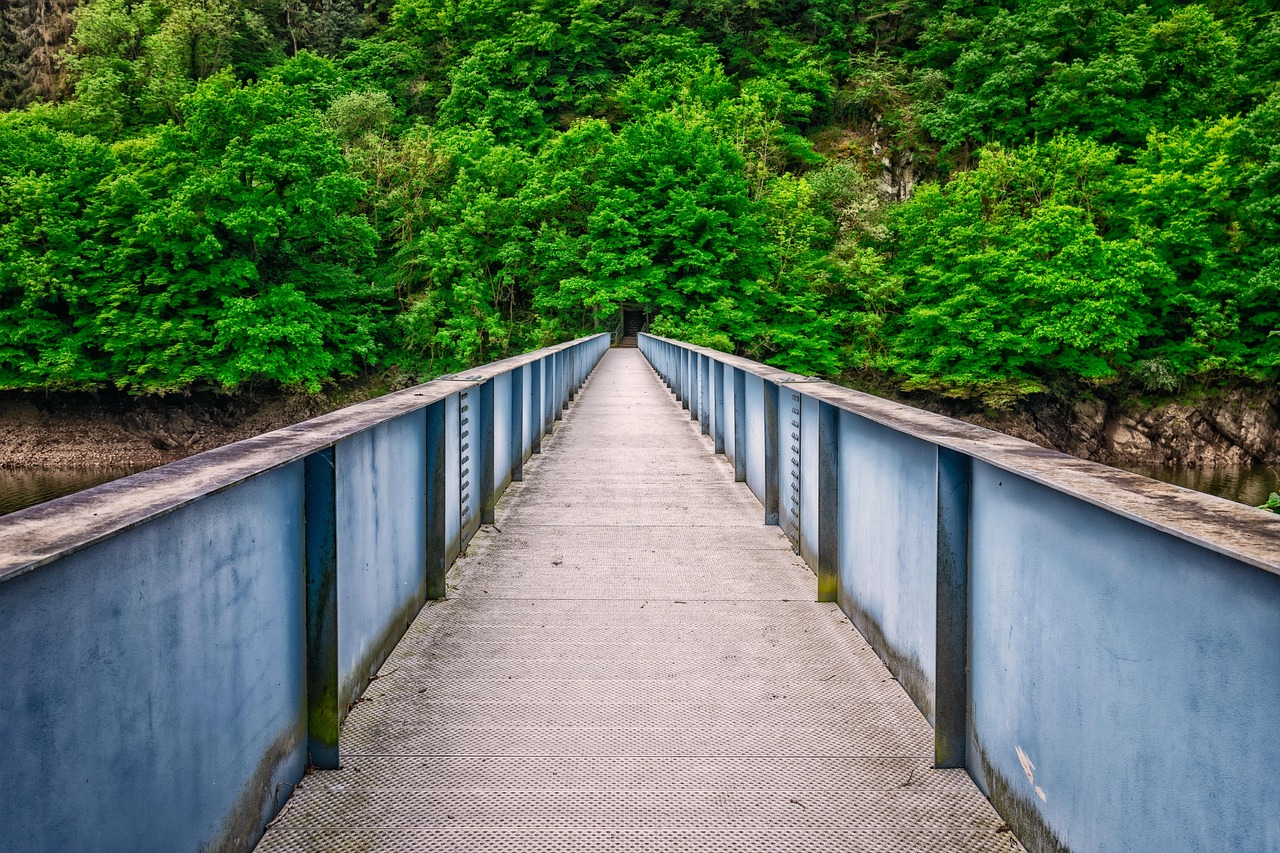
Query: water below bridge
x: 629, y: 659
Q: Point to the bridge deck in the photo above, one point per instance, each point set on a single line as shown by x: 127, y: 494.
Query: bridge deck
x: 630, y: 660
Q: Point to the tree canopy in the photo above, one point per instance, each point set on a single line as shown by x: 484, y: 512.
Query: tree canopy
x: 980, y: 199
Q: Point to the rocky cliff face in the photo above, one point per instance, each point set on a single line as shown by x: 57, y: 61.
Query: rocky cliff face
x: 1238, y: 427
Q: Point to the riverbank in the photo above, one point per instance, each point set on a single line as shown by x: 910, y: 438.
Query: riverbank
x: 59, y: 430
x: 1228, y: 427
x: 107, y: 430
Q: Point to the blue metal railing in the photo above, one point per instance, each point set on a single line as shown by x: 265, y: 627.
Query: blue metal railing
x: 176, y: 646
x: 1099, y: 650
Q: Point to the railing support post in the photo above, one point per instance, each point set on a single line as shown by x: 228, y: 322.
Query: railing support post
x: 828, y: 502
x: 484, y: 450
x: 695, y: 386
x: 717, y: 382
x: 537, y: 414
x: 772, y: 447
x: 324, y: 712
x: 516, y: 444
x: 685, y: 374
x: 739, y: 425
x: 559, y: 401
x: 437, y: 489
x: 951, y: 698
x: 704, y: 404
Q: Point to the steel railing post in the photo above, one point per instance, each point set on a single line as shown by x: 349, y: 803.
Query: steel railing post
x: 537, y: 418
x: 516, y: 443
x: 324, y: 707
x: 484, y: 450
x: 704, y: 397
x: 740, y: 450
x: 828, y: 502
x: 772, y: 454
x: 951, y: 681
x: 717, y: 382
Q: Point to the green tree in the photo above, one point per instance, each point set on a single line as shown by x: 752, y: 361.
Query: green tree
x: 1009, y: 281
x: 226, y: 250
x: 47, y: 181
x: 674, y: 227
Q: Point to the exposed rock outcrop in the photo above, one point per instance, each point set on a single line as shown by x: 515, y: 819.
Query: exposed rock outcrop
x: 1236, y: 427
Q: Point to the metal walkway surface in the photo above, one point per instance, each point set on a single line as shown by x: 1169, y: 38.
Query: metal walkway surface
x: 630, y: 660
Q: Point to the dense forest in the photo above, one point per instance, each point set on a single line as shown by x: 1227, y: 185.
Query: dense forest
x: 983, y: 200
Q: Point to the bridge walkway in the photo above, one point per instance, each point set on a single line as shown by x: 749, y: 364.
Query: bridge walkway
x: 629, y: 660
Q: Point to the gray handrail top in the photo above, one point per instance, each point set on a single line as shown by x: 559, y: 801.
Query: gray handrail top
x: 1236, y: 530
x: 38, y: 535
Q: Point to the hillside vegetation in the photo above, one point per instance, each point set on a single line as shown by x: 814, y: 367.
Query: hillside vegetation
x: 983, y: 200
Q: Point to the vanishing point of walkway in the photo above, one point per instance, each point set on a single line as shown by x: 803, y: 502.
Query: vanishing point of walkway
x: 629, y: 660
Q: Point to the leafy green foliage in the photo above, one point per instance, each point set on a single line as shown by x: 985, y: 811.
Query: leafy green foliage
x: 1008, y: 280
x: 983, y: 199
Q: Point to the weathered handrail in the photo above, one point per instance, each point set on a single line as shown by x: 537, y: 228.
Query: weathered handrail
x: 187, y: 639
x: 1099, y: 650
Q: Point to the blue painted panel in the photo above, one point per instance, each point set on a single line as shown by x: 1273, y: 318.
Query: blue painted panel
x: 729, y: 429
x: 809, y: 481
x: 888, y: 554
x: 755, y: 435
x: 501, y: 433
x: 381, y: 505
x: 1137, y: 677
x: 452, y: 484
x: 153, y: 684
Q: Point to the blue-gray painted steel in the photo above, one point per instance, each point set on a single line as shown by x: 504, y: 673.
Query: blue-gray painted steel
x: 773, y: 458
x: 753, y: 418
x: 951, y: 690
x: 704, y: 385
x: 437, y: 500
x: 695, y: 387
x: 888, y: 512
x: 324, y: 704
x: 740, y: 442
x: 558, y: 397
x: 1125, y: 689
x: 452, y: 479
x: 486, y: 432
x: 686, y: 360
x: 154, y: 683
x: 718, y: 395
x: 161, y: 636
x: 1121, y: 671
x: 809, y: 466
x: 537, y: 409
x: 516, y: 427
x: 828, y: 462
x: 502, y: 434
x: 381, y: 502
x: 470, y: 461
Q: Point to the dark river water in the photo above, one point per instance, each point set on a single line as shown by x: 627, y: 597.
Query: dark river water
x: 1245, y: 484
x: 30, y: 486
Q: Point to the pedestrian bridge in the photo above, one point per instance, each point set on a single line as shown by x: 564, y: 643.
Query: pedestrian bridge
x: 761, y: 613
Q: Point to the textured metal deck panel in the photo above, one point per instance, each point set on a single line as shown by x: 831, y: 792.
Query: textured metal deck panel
x: 629, y: 660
